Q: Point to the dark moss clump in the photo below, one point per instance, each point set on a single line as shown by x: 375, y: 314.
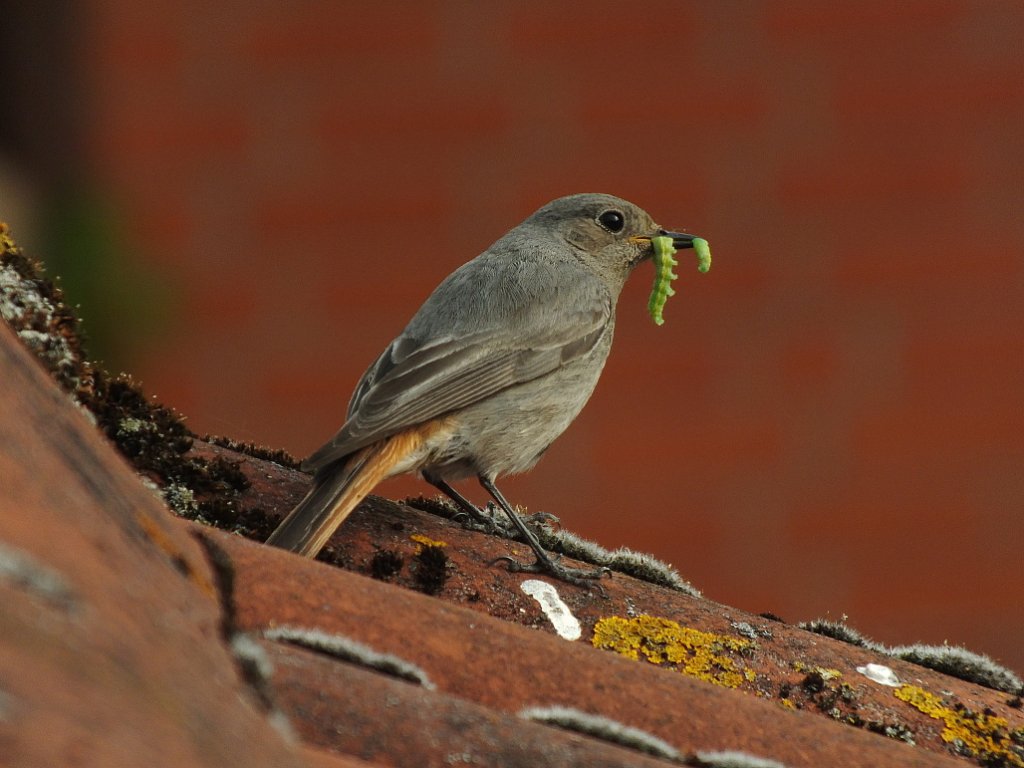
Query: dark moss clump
x: 156, y: 441
x: 151, y: 436
x: 892, y: 730
x: 386, y: 564
x: 821, y: 689
x: 276, y: 455
x: 430, y: 570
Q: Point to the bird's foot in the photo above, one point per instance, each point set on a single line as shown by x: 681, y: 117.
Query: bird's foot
x: 579, y: 577
x: 482, y: 520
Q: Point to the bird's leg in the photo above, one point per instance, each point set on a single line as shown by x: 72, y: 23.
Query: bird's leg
x: 544, y: 563
x: 465, y: 505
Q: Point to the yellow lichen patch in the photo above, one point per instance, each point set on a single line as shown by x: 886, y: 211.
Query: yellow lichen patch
x: 973, y: 733
x: 825, y: 672
x: 662, y: 641
x: 426, y: 541
x: 6, y: 241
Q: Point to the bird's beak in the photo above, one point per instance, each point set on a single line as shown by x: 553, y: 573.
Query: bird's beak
x: 680, y: 240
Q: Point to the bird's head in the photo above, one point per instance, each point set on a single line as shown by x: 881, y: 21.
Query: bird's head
x: 611, y: 234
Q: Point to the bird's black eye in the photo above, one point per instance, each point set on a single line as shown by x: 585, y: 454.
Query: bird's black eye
x: 612, y: 220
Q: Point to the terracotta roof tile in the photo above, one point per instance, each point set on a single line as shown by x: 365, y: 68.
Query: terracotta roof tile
x: 504, y: 667
x: 131, y: 637
x: 110, y: 646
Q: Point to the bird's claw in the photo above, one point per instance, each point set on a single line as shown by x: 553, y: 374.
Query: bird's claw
x: 551, y: 566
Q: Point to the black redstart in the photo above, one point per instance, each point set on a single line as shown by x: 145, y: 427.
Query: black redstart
x: 493, y: 367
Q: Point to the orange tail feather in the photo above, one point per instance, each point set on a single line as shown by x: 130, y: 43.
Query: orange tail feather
x: 333, y: 496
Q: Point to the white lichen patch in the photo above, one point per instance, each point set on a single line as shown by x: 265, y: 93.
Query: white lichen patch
x: 880, y: 674
x: 624, y: 560
x: 948, y: 659
x: 572, y: 719
x: 17, y: 296
x: 352, y: 651
x: 962, y: 663
x: 21, y: 570
x: 27, y: 311
x: 566, y: 625
x: 735, y: 759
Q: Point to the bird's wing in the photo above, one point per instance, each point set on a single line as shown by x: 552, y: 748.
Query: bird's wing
x: 512, y: 338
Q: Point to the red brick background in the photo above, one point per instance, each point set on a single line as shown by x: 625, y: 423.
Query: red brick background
x: 830, y: 421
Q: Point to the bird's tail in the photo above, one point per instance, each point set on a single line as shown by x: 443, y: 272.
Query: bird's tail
x: 335, y: 493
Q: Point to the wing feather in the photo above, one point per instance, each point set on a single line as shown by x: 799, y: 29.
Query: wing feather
x: 519, y: 334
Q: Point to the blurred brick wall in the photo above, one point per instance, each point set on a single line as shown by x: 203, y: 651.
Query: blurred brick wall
x: 831, y: 421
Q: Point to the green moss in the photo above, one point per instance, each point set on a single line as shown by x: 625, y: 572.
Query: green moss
x: 973, y: 734
x: 703, y: 655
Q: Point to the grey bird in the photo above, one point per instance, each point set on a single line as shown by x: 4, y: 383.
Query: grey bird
x: 493, y: 367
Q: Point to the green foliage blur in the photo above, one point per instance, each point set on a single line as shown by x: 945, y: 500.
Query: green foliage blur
x: 123, y: 305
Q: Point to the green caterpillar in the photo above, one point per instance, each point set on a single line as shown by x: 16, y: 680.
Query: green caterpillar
x: 663, y: 277
x: 663, y: 274
x: 700, y: 247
